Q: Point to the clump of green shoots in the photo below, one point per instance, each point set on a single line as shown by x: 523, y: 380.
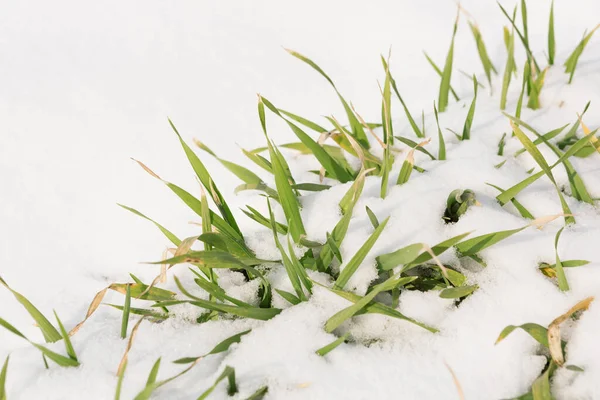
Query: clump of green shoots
x: 457, y: 204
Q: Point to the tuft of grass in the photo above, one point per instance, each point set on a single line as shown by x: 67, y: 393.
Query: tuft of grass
x: 447, y: 72
x: 536, y: 84
x: 488, y: 67
x: 571, y: 63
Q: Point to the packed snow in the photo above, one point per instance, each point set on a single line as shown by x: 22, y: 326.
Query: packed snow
x: 88, y: 85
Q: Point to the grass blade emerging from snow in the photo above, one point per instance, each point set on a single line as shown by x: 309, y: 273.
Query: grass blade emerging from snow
x: 466, y: 134
x: 352, y: 265
x: 571, y: 63
x: 442, y: 143
x: 68, y: 345
x: 560, y: 273
x: 228, y: 373
x: 508, y: 69
x: 551, y: 38
x: 447, y: 72
x: 164, y: 230
x: 331, y: 346
x: 126, y: 309
x: 488, y: 67
x: 3, y: 375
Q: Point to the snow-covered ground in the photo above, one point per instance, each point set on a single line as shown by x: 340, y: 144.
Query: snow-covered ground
x: 86, y: 85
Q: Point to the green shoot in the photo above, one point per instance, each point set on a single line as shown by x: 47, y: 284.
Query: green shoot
x: 508, y: 68
x: 488, y: 67
x: 331, y: 346
x: 126, y: 310
x: 571, y: 63
x: 551, y: 39
x: 3, y: 374
x: 439, y: 72
x: 442, y: 145
x: 560, y: 273
x: 228, y: 373
x: 447, y: 72
x: 466, y: 134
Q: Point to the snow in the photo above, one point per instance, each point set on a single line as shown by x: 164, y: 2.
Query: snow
x: 88, y: 85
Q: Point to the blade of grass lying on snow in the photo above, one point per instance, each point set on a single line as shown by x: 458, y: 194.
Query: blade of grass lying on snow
x: 466, y: 134
x: 571, y: 63
x: 541, y: 161
x: 538, y: 332
x: 402, y: 256
x: 152, y: 315
x: 372, y: 217
x: 488, y: 67
x: 551, y: 38
x: 3, y: 374
x: 335, y: 170
x: 289, y: 297
x: 471, y: 247
x: 522, y: 210
x: 262, y: 314
x: 560, y: 273
x: 207, y: 182
x: 578, y: 189
x: 439, y: 72
x: 259, y: 394
x: 340, y: 317
x: 458, y: 292
x: 510, y: 193
x: 357, y: 128
x: 331, y: 346
x: 50, y: 333
x: 447, y: 72
x: 442, y: 143
x: 352, y: 265
x: 57, y: 358
x: 228, y: 373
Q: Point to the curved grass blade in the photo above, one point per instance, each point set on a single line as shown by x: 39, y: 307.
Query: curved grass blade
x: 410, y: 118
x: 538, y: 332
x: 289, y: 297
x: 68, y: 345
x: 488, y: 67
x: 524, y: 40
x: 458, y: 292
x: 259, y: 394
x: 560, y: 273
x: 571, y: 63
x: 357, y: 129
x: 3, y: 375
x: 520, y: 207
x: 402, y: 256
x: 471, y: 247
x: 508, y: 69
x: 263, y: 314
x: 414, y: 144
x: 228, y: 373
x: 442, y: 143
x: 219, y: 348
x: 174, y: 239
x: 50, y: 333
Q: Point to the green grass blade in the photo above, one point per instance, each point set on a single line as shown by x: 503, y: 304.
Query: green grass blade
x: 536, y: 89
x: 352, y: 265
x: 307, y: 123
x: 407, y: 167
x: 524, y: 40
x: 508, y: 70
x: 262, y: 314
x: 402, y: 256
x: 259, y: 160
x: 140, y: 291
x: 121, y: 375
x: 289, y: 297
x: 538, y: 332
x: 372, y: 217
x: 447, y: 73
x: 522, y: 210
x: 437, y: 250
x: 207, y: 182
x: 68, y: 345
x: 228, y: 373
x: 174, y: 239
x: 357, y: 129
x: 571, y: 63
x: 3, y: 375
x: 335, y: 170
x: 331, y: 346
x: 410, y: 118
x: 48, y: 330
x: 221, y: 347
x: 458, y: 292
x: 439, y: 72
x: 416, y: 146
x: 504, y: 197
x: 153, y: 373
x: 126, y: 310
x: 466, y: 134
x: 442, y: 143
x: 551, y: 39
x: 474, y: 245
x: 560, y: 273
x: 526, y: 77
x: 539, y: 159
x: 340, y: 317
x: 488, y: 67
x: 259, y: 394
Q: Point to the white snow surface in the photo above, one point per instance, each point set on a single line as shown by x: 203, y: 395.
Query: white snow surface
x: 86, y: 85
